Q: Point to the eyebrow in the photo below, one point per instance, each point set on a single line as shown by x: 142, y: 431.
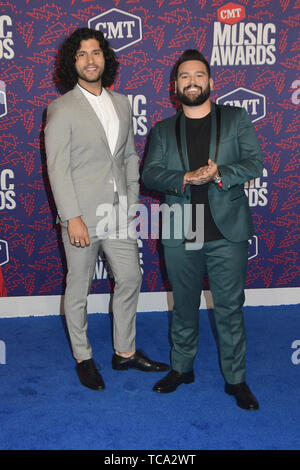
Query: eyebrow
x: 94, y: 50
x: 196, y: 71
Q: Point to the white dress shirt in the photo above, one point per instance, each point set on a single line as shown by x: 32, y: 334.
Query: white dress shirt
x: 105, y: 110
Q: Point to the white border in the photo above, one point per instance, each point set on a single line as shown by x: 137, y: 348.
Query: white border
x: 148, y: 302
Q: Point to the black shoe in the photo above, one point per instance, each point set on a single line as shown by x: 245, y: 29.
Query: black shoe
x: 244, y: 397
x: 89, y: 376
x: 137, y: 361
x: 171, y: 381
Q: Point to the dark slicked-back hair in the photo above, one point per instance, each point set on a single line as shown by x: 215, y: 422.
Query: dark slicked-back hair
x: 66, y: 71
x: 191, y: 54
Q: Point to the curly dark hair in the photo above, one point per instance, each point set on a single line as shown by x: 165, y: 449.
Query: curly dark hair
x: 65, y: 65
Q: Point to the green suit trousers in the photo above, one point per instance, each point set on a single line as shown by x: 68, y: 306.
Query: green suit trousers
x: 225, y: 263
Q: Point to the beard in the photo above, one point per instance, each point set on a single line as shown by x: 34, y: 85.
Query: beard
x: 198, y: 100
x: 85, y: 78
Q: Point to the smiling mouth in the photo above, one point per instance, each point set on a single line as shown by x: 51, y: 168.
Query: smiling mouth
x: 192, y: 90
x: 91, y: 69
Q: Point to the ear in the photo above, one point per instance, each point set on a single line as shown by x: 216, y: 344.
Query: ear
x: 211, y: 83
x: 175, y: 86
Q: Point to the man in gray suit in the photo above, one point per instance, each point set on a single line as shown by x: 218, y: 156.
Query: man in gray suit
x: 93, y: 164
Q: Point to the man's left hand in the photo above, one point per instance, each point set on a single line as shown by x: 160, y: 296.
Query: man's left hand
x: 208, y: 173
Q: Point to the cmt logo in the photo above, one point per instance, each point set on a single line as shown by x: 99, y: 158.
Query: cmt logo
x: 3, y: 103
x: 120, y: 28
x: 231, y: 13
x: 4, y: 256
x: 253, y: 102
x: 252, y: 247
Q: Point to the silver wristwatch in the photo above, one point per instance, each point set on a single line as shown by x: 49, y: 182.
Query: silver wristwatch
x: 217, y: 179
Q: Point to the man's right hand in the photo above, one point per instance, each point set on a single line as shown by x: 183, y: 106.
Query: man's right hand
x: 196, y: 177
x: 78, y: 232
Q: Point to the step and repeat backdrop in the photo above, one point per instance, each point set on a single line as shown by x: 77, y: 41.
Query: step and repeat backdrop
x: 253, y: 49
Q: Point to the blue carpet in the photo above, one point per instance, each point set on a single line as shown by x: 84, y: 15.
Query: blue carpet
x: 43, y: 406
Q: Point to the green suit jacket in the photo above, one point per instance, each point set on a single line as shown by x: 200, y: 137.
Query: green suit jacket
x: 239, y: 160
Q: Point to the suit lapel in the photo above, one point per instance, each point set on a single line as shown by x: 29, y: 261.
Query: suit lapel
x: 183, y: 141
x: 120, y: 117
x: 213, y: 133
x: 87, y: 111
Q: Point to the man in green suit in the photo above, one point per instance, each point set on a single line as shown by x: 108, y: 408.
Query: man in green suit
x: 201, y: 158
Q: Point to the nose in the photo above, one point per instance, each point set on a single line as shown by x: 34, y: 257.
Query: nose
x: 90, y: 58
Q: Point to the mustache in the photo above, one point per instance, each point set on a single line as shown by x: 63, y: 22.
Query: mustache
x: 88, y: 66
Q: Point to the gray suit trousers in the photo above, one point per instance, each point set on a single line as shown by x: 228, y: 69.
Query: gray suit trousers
x: 123, y: 258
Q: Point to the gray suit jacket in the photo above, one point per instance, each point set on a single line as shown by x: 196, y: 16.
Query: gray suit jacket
x: 81, y: 167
